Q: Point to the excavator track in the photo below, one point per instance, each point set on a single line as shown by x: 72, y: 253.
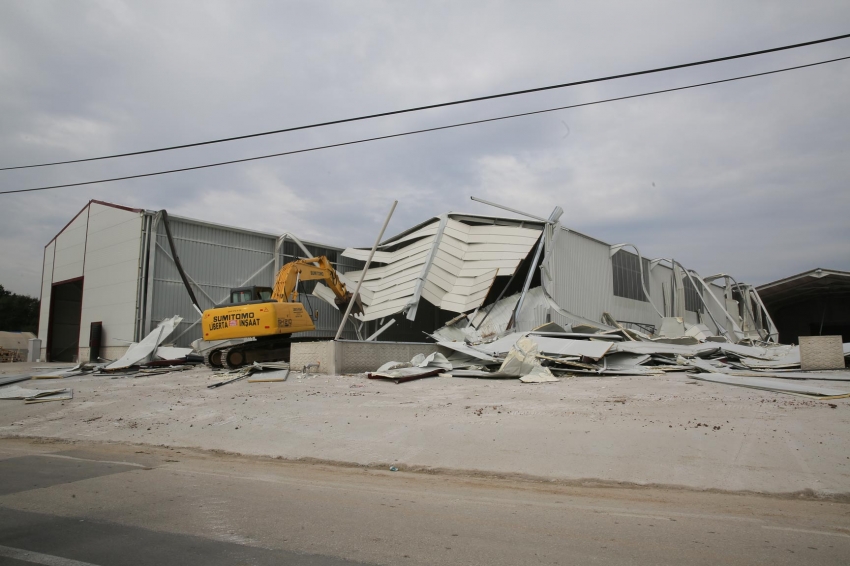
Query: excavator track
x: 212, y: 359
x: 261, y: 350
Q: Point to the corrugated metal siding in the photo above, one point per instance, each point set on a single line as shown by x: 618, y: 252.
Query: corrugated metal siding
x: 218, y: 258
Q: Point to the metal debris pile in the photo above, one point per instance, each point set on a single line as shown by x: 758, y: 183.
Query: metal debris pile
x: 550, y: 352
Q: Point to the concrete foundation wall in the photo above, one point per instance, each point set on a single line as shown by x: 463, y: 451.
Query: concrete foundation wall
x: 344, y: 356
x: 322, y: 353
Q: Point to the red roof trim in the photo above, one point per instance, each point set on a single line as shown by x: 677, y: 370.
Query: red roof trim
x: 127, y: 208
x: 88, y: 204
x: 68, y: 224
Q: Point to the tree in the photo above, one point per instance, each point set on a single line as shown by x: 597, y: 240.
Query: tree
x: 18, y: 313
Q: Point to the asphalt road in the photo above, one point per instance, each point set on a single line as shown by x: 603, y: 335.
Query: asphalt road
x: 83, y: 504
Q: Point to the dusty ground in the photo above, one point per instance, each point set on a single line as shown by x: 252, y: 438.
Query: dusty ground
x: 118, y: 504
x: 667, y: 430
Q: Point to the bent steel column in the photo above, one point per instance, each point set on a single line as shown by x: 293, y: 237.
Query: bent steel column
x: 363, y: 276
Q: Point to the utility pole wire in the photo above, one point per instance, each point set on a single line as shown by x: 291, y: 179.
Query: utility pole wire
x: 422, y: 131
x: 439, y: 105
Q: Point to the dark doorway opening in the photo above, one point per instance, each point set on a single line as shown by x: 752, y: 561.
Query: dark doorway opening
x: 63, y: 335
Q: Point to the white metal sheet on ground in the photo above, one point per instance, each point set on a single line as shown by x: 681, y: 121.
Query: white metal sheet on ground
x: 559, y: 346
x: 625, y: 360
x: 757, y: 352
x: 15, y: 392
x: 769, y: 384
x: 661, y: 348
x: 469, y: 351
x: 587, y: 348
x: 816, y: 375
x: 791, y: 360
x: 142, y: 352
x: 709, y: 367
x: 172, y: 352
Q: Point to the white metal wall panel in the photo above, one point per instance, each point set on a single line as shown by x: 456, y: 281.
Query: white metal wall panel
x: 71, y: 249
x: 581, y: 276
x: 111, y: 277
x: 46, y: 288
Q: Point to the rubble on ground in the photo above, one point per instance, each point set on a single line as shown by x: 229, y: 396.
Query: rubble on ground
x: 550, y: 352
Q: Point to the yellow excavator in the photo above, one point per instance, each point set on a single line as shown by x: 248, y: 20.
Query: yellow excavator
x: 268, y: 315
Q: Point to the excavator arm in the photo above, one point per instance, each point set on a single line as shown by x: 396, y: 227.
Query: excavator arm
x: 311, y: 269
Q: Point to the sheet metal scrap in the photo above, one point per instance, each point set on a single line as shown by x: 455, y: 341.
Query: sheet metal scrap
x: 586, y: 350
x: 139, y: 353
x: 9, y: 379
x: 417, y: 368
x: 145, y: 371
x: 242, y: 373
x: 18, y: 393
x: 775, y: 385
x: 401, y: 375
x: 60, y: 373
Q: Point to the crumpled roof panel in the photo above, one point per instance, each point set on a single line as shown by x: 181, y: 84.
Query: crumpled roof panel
x: 456, y: 276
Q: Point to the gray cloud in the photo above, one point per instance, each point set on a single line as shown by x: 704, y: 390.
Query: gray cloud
x: 748, y: 178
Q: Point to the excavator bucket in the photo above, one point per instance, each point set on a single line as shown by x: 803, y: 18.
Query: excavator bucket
x: 357, y: 308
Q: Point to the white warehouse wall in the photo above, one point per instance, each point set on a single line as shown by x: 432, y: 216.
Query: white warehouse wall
x: 70, y: 249
x: 111, y: 277
x: 101, y: 245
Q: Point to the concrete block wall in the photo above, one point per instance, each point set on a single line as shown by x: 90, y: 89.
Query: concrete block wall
x: 351, y: 356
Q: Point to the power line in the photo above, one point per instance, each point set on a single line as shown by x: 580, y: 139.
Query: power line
x: 422, y: 131
x: 439, y: 105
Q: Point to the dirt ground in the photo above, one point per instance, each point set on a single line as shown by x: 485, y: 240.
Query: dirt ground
x: 176, y: 506
x: 670, y: 430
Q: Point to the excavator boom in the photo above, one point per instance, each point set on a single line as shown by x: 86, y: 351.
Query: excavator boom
x: 311, y: 269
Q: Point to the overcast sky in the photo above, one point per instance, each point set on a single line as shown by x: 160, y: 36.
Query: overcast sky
x: 751, y: 178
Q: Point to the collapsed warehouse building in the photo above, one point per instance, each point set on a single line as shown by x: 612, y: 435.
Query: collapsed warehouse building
x: 109, y: 277
x: 521, y: 274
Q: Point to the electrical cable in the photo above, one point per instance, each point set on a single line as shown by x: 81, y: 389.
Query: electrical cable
x: 413, y: 132
x: 177, y: 263
x: 441, y: 104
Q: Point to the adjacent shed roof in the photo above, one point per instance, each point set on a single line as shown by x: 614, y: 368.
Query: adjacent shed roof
x: 815, y: 282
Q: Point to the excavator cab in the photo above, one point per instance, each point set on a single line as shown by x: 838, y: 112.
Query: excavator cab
x: 249, y: 295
